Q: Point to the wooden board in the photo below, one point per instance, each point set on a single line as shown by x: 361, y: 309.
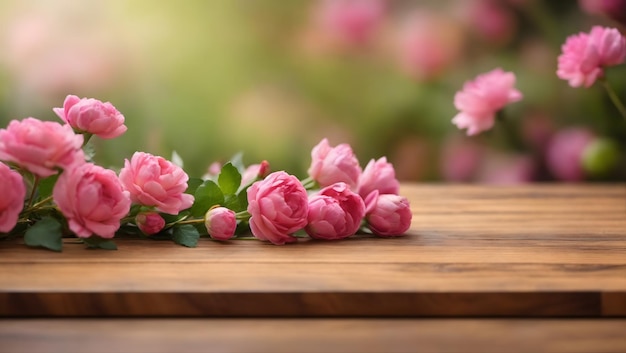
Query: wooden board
x: 540, y: 250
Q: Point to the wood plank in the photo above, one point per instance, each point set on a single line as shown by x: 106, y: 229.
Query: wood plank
x: 471, y: 251
x: 320, y: 335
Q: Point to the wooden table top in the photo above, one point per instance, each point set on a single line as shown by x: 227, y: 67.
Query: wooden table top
x: 472, y: 251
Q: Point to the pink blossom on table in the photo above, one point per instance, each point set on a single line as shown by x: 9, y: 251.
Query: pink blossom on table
x: 254, y: 172
x: 220, y: 223
x: 378, y: 175
x: 565, y: 153
x: 150, y: 222
x: 331, y: 165
x: 13, y: 193
x: 482, y: 98
x: 585, y: 55
x: 92, y: 200
x: 388, y: 215
x: 278, y: 206
x: 156, y: 182
x: 92, y: 116
x: 461, y: 158
x: 40, y: 146
x: 615, y: 9
x: 334, y: 213
x: 352, y: 22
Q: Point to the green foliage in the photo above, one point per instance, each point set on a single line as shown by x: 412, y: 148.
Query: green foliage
x: 206, y: 196
x: 95, y: 242
x: 186, y: 235
x: 45, y: 233
x: 46, y: 186
x: 192, y: 185
x: 229, y: 179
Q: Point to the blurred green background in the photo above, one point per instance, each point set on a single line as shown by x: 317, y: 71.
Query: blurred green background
x: 271, y: 78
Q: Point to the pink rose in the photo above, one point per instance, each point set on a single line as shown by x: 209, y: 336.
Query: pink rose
x: 220, y: 223
x: 92, y: 200
x: 480, y: 100
x: 92, y: 116
x: 585, y: 55
x: 150, y: 222
x: 278, y: 206
x: 388, y: 215
x: 154, y: 181
x: 331, y: 165
x: 378, y: 175
x: 40, y: 146
x: 334, y: 213
x: 13, y: 193
x: 254, y: 172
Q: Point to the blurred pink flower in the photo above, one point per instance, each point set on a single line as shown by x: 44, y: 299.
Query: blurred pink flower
x: 278, y: 206
x: 615, y: 9
x: 334, y: 213
x: 92, y: 200
x: 506, y: 169
x: 220, y: 223
x: 565, y: 153
x: 40, y: 146
x: 585, y: 55
x: 149, y: 222
x: 331, y: 165
x: 491, y: 20
x: 388, y: 215
x: 155, y: 181
x: 378, y: 175
x: 254, y: 172
x: 481, y: 98
x: 13, y: 193
x: 460, y: 158
x: 92, y: 116
x: 352, y: 22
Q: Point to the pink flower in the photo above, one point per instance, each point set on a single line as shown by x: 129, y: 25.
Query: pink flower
x: 388, y: 215
x: 254, y: 172
x: 491, y: 20
x: 506, y: 169
x: 149, y: 222
x: 461, y: 157
x: 564, y: 156
x: 92, y: 200
x: 615, y: 9
x: 378, y: 175
x: 585, y: 55
x: 220, y: 223
x: 13, y: 193
x: 154, y: 181
x: 350, y: 21
x: 481, y: 98
x: 92, y: 116
x: 331, y: 165
x: 278, y: 206
x: 40, y: 146
x: 335, y: 213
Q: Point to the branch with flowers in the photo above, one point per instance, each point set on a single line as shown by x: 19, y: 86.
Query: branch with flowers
x: 52, y: 189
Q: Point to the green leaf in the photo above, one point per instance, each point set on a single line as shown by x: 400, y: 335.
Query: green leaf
x: 186, y: 235
x: 47, y: 185
x: 229, y: 179
x: 45, y: 233
x: 193, y: 184
x: 206, y: 196
x: 95, y: 242
x: 89, y: 150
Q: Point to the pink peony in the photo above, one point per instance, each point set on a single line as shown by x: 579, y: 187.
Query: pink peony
x: 585, y: 55
x: 220, y: 223
x: 481, y: 98
x: 564, y: 155
x: 13, y: 193
x: 278, y: 206
x: 254, y: 172
x: 378, y: 175
x: 388, y: 215
x: 154, y: 181
x: 335, y: 213
x: 40, y: 146
x: 150, y: 222
x: 92, y: 116
x: 92, y: 200
x: 331, y: 165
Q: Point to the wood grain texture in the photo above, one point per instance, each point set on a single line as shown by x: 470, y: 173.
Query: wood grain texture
x: 312, y: 335
x: 537, y: 250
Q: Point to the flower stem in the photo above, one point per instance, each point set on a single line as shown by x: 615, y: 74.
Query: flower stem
x: 31, y: 198
x: 614, y: 98
x: 309, y: 183
x: 242, y: 216
x: 187, y: 221
x: 42, y: 202
x: 86, y: 137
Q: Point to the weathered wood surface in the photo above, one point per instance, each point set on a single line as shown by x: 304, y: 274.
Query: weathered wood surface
x: 312, y: 335
x: 540, y: 250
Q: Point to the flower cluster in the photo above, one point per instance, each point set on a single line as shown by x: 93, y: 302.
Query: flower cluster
x: 51, y: 189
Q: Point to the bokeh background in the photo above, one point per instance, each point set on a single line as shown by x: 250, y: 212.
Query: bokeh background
x: 271, y: 78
